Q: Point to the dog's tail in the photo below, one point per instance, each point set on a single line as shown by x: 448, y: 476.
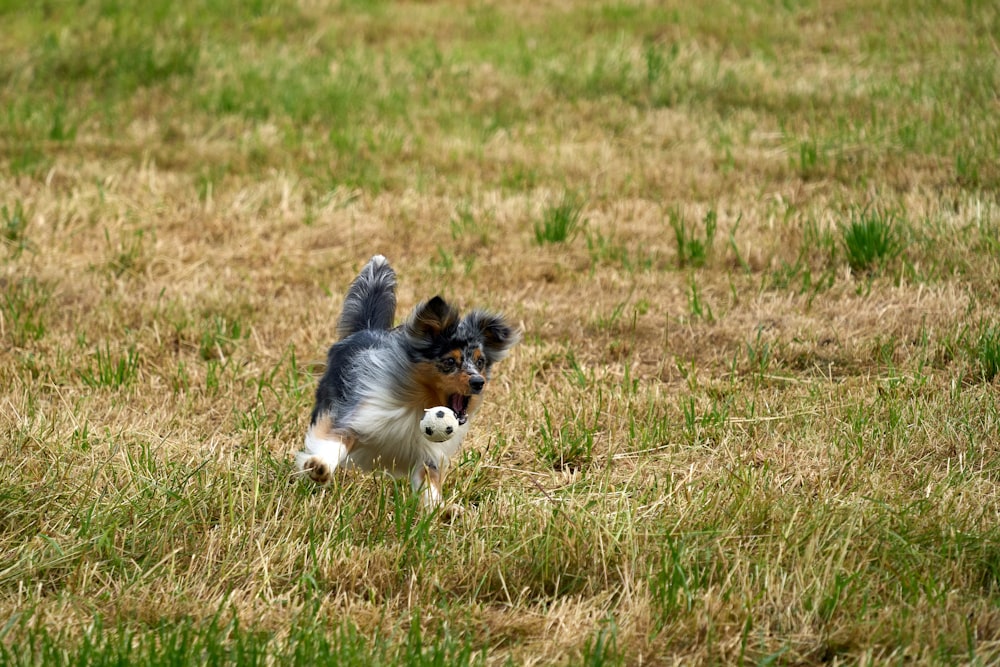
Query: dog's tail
x: 371, y: 299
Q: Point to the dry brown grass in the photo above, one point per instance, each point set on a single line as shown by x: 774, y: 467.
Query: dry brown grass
x: 760, y: 455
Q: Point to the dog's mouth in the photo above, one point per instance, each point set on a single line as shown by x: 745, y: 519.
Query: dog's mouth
x: 459, y: 404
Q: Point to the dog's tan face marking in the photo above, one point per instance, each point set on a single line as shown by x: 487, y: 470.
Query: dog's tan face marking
x: 436, y: 386
x: 462, y: 361
x: 449, y: 362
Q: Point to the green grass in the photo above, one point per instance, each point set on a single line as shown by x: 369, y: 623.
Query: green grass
x: 987, y: 352
x: 606, y: 250
x: 561, y: 221
x: 23, y: 306
x: 566, y: 447
x: 223, y: 641
x: 753, y: 248
x: 14, y: 232
x: 697, y: 305
x: 693, y: 246
x: 871, y: 238
x: 218, y: 337
x: 111, y: 370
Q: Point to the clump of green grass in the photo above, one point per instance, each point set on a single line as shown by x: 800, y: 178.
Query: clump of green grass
x: 128, y: 255
x: 986, y: 350
x: 697, y: 305
x: 22, y: 309
x: 693, y: 248
x: 561, y: 221
x: 14, y: 228
x: 111, y: 371
x: 472, y: 228
x: 222, y: 640
x: 602, y: 648
x: 608, y: 250
x: 967, y: 170
x: 675, y: 580
x: 811, y: 160
x: 871, y: 238
x: 464, y: 222
x: 568, y: 446
x: 759, y: 355
x: 218, y: 337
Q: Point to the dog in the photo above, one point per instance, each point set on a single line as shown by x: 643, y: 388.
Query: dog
x: 379, y: 380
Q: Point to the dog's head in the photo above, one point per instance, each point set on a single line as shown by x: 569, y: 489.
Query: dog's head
x: 454, y: 355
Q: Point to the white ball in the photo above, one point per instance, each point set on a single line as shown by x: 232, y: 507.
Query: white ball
x: 439, y: 424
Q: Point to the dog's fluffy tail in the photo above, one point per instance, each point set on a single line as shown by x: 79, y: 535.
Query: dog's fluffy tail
x: 371, y: 299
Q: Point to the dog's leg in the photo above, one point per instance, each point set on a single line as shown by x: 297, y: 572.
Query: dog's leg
x: 325, y: 450
x: 426, y: 480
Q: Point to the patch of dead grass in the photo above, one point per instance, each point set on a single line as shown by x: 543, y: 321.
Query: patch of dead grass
x: 801, y: 472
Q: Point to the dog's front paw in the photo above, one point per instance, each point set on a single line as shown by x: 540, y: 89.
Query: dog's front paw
x: 451, y: 512
x: 317, y: 470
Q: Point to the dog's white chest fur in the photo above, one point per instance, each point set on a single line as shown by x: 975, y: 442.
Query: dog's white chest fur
x: 389, y: 438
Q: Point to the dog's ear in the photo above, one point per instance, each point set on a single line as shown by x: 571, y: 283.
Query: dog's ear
x: 498, y: 335
x: 432, y: 319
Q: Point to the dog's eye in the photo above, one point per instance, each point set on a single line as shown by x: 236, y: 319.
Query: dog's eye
x: 448, y: 363
x: 481, y: 363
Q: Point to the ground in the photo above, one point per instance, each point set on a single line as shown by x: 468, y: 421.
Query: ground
x: 754, y: 249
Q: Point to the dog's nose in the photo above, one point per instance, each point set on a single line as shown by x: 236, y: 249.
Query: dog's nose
x: 476, y: 383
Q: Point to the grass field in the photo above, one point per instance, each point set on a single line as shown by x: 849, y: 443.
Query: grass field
x: 754, y: 248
